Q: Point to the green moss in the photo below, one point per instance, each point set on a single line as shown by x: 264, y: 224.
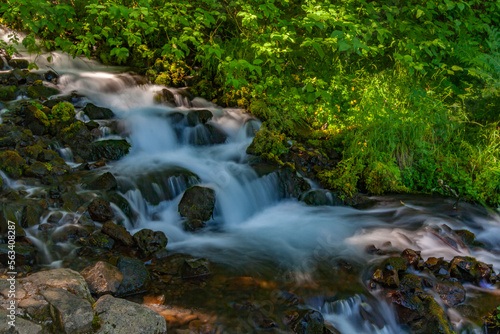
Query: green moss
x: 33, y: 151
x: 383, y: 178
x: 12, y: 163
x: 63, y: 112
x: 269, y: 145
x: 41, y: 91
x: 69, y: 132
x: 259, y: 109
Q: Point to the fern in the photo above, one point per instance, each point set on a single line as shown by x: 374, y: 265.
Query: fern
x: 486, y: 65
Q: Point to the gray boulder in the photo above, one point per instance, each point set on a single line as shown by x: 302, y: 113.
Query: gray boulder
x: 102, y: 278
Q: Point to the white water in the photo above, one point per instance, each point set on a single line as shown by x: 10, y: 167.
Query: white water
x: 252, y: 224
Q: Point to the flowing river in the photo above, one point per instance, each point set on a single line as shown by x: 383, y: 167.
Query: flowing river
x: 276, y: 242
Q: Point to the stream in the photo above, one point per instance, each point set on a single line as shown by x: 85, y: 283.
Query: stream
x: 258, y: 236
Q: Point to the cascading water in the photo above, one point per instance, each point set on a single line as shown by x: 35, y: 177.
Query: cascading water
x: 254, y: 228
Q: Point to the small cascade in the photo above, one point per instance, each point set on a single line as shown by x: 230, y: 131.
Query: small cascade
x: 66, y: 154
x: 357, y: 314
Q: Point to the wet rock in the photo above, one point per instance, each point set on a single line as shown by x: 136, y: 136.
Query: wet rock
x: 410, y: 283
x: 109, y: 149
x: 388, y: 272
x: 197, y: 203
x: 33, y: 212
x: 71, y: 201
x: 165, y: 96
x: 469, y: 238
x: 12, y: 163
x: 118, y: 233
x: 71, y: 313
x: 451, y: 292
x: 320, y: 197
x: 262, y: 321
x: 192, y: 225
x: 48, y: 155
x: 25, y: 255
x: 10, y: 211
x: 433, y: 321
x: 206, y: 134
x: 102, y: 278
x: 118, y: 316
x: 413, y: 258
x: 19, y: 63
x: 195, y: 117
x: 95, y: 112
x: 38, y: 169
x: 101, y: 240
x: 78, y: 137
x: 468, y: 269
x: 105, y: 182
x: 41, y: 91
x: 33, y: 118
x: 100, y: 210
x: 193, y: 268
x: 149, y: 242
x: 92, y: 125
x: 292, y: 184
x: 8, y: 93
x: 22, y: 325
x: 68, y: 233
x: 134, y: 273
x: 50, y: 75
x: 309, y: 322
x: 409, y: 306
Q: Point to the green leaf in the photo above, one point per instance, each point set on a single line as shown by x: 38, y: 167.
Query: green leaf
x: 258, y: 61
x: 419, y: 13
x: 456, y: 68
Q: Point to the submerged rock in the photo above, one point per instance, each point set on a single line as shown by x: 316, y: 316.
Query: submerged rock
x: 117, y: 316
x: 112, y: 149
x: 197, y: 203
x: 95, y: 112
x: 320, y: 197
x: 309, y: 322
x: 194, y: 268
x: 206, y: 134
x: 134, y: 273
x: 202, y: 116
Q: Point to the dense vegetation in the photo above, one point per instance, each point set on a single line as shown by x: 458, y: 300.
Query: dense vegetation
x: 407, y: 91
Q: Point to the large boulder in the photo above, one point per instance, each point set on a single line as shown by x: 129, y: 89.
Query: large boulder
x: 70, y: 313
x: 22, y: 326
x: 39, y: 91
x: 112, y: 149
x: 95, y: 112
x: 197, y: 203
x: 116, y: 316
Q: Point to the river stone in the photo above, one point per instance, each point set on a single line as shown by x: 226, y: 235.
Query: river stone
x: 8, y: 93
x: 41, y: 91
x: 413, y: 258
x: 118, y: 233
x: 452, y: 293
x: 33, y: 211
x: 101, y: 240
x: 122, y: 204
x: 468, y: 269
x: 50, y: 75
x: 195, y: 117
x: 165, y: 96
x: 192, y: 225
x: 150, y: 242
x: 10, y: 211
x: 434, y: 320
x: 197, y: 203
x: 19, y: 63
x: 134, y: 273
x: 25, y: 255
x: 102, y: 278
x: 37, y: 169
x: 62, y: 278
x: 68, y: 233
x: 310, y: 322
x: 70, y: 313
x: 292, y: 184
x: 117, y: 316
x: 12, y: 163
x: 95, y: 112
x: 112, y: 149
x: 105, y: 182
x: 22, y: 326
x: 100, y: 210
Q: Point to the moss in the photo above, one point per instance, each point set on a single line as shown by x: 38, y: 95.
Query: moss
x: 12, y: 163
x: 41, y: 91
x: 63, y: 112
x: 33, y: 151
x: 381, y: 178
x: 69, y: 132
x: 269, y: 145
x: 259, y: 109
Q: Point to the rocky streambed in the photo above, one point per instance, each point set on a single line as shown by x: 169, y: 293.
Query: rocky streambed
x: 137, y: 209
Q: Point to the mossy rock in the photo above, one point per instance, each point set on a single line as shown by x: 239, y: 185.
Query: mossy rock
x: 63, y: 112
x: 38, y: 169
x: 8, y: 93
x: 105, y: 181
x: 41, y: 92
x: 269, y: 145
x: 12, y: 163
x: 150, y: 241
x: 95, y: 112
x: 197, y: 203
x: 202, y: 116
x: 33, y: 118
x: 434, y: 319
x: 259, y: 109
x: 109, y: 149
x: 33, y: 151
x: 11, y: 211
x: 19, y: 63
